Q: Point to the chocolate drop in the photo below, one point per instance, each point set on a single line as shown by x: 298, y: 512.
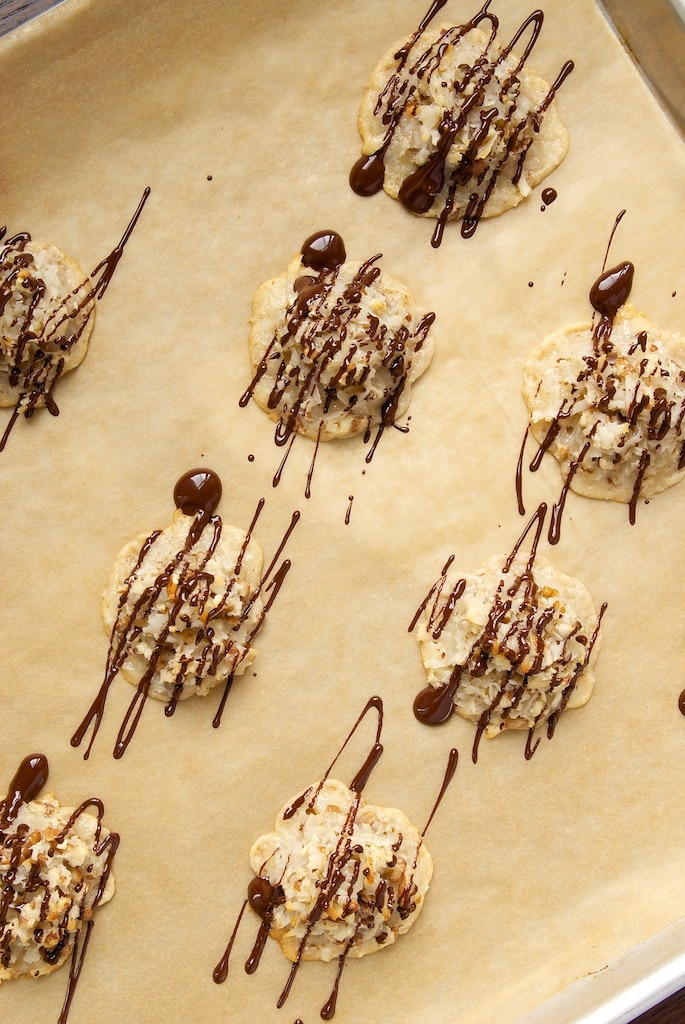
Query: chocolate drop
x: 433, y: 706
x: 549, y: 195
x: 263, y: 896
x: 368, y: 174
x: 681, y: 703
x: 418, y: 191
x: 611, y: 290
x: 29, y: 779
x: 198, y: 490
x: 324, y: 250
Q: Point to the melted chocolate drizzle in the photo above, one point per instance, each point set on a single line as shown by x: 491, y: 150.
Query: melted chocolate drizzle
x: 434, y: 705
x: 197, y: 493
x: 39, y: 380
x: 26, y: 785
x: 308, y: 319
x: 264, y: 895
x: 420, y: 189
x: 607, y: 295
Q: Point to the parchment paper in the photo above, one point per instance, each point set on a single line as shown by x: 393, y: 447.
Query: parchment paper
x: 544, y: 870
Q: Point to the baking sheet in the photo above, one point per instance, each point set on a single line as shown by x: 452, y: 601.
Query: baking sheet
x: 545, y: 870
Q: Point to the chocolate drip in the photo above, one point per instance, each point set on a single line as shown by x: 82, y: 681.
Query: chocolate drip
x: 681, y: 702
x: 328, y: 1009
x: 374, y: 703
x: 438, y: 584
x: 263, y: 896
x: 419, y: 191
x: 452, y: 762
x: 324, y: 250
x: 368, y: 174
x: 611, y: 289
x: 433, y: 705
x: 362, y: 776
x: 554, y: 533
x: 104, y: 272
x: 28, y: 780
x: 197, y: 494
x: 198, y: 490
x: 310, y: 474
x: 548, y: 196
x: 519, y: 475
x: 220, y: 972
x: 641, y: 470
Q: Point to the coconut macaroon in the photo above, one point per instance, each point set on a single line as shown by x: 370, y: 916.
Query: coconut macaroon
x: 509, y: 646
x: 182, y: 606
x: 610, y: 406
x: 338, y: 876
x: 456, y: 126
x: 335, y: 346
x: 54, y: 871
x: 47, y: 310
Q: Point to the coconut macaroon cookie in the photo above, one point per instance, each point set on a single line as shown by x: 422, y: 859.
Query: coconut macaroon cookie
x: 509, y: 647
x: 609, y: 405
x: 182, y: 606
x: 338, y: 876
x: 47, y: 309
x: 454, y: 124
x: 54, y: 871
x: 335, y: 346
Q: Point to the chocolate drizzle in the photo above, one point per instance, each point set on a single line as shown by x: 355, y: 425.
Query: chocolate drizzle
x: 28, y: 781
x: 433, y: 705
x: 607, y: 295
x: 332, y: 368
x: 37, y: 381
x: 197, y: 493
x: 514, y: 132
x: 265, y: 895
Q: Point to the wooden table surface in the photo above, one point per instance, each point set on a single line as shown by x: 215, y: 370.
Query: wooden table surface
x: 12, y: 14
